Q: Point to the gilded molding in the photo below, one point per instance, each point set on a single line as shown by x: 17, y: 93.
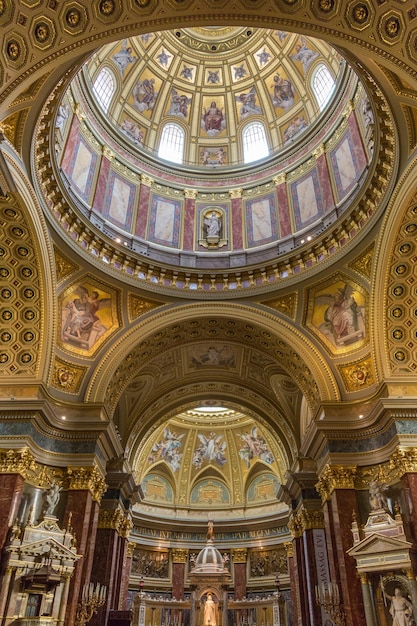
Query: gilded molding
x: 335, y: 477
x: 179, y: 556
x: 87, y: 478
x: 239, y: 555
x: 236, y: 193
x: 190, y: 193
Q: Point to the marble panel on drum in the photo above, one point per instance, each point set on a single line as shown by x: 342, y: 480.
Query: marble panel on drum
x: 164, y: 221
x: 261, y: 220
x: 119, y: 201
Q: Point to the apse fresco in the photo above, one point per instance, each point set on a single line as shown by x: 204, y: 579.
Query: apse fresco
x: 254, y: 447
x: 210, y: 492
x: 262, y: 489
x: 338, y: 314
x: 212, y: 448
x: 168, y: 449
x: 215, y: 354
x: 88, y: 316
x: 157, y: 488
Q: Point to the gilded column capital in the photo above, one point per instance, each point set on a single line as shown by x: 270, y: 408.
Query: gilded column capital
x: 130, y: 549
x: 18, y: 462
x: 87, y: 478
x: 146, y: 180
x: 179, y: 555
x: 190, y: 193
x: 363, y: 578
x: 106, y: 152
x: 115, y: 520
x: 79, y: 112
x: 239, y: 555
x: 335, y: 477
x: 295, y: 526
x: 236, y: 193
x: 289, y: 547
x: 279, y: 179
x: 404, y: 460
x: 321, y: 149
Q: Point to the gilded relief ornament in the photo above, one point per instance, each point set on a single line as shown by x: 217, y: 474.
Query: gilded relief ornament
x: 66, y: 376
x: 358, y: 375
x: 138, y: 306
x: 363, y: 264
x: 64, y: 267
x: 286, y: 304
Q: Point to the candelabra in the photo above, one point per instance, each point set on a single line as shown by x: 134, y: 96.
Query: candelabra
x: 327, y: 596
x: 92, y: 598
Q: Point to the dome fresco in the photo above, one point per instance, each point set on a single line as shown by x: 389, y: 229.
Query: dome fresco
x: 210, y: 459
x: 211, y: 82
x: 214, y: 95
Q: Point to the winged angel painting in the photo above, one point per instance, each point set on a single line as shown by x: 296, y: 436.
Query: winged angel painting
x: 211, y: 448
x: 87, y: 315
x: 343, y: 315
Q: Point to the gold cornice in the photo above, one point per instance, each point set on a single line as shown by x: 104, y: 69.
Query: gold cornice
x: 179, y: 555
x: 335, y: 477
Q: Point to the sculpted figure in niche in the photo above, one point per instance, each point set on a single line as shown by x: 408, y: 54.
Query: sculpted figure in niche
x: 210, y: 611
x: 213, y: 225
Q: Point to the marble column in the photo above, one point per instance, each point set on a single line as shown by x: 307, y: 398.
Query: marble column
x: 336, y: 486
x: 86, y: 487
x: 11, y: 486
x: 367, y: 601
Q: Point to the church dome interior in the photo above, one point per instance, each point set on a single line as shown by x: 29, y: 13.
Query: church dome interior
x: 208, y: 312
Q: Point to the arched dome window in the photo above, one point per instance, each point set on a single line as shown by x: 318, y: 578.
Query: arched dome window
x: 104, y: 88
x: 323, y: 85
x: 171, y: 147
x: 255, y: 145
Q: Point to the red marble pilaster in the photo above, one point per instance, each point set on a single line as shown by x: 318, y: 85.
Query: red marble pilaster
x: 178, y: 579
x: 237, y: 223
x: 188, y: 225
x: 285, y: 227
x: 126, y: 570
x: 70, y: 145
x: 101, y: 185
x: 357, y: 143
x: 11, y: 486
x: 300, y: 602
x: 338, y: 514
x: 107, y: 570
x: 84, y: 511
x: 325, y: 183
x: 409, y: 483
x: 295, y: 599
x: 239, y: 570
x: 143, y: 211
x: 312, y: 613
